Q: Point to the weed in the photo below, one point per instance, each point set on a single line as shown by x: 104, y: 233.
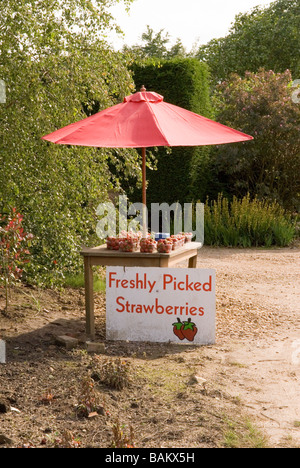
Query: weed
x: 115, y: 373
x: 88, y: 400
x: 67, y: 440
x: 47, y: 398
x: 164, y: 381
x: 34, y: 299
x: 121, y: 437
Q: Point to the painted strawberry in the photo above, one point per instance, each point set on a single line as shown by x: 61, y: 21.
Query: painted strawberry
x: 177, y: 329
x: 189, y: 330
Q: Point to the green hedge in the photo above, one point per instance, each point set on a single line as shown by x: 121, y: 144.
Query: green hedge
x: 180, y: 176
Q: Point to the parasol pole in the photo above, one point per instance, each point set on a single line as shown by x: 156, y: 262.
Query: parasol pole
x: 144, y: 175
x: 142, y: 90
x: 144, y: 192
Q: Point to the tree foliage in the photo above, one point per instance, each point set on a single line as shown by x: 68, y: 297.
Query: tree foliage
x: 156, y: 46
x: 261, y: 104
x: 57, y: 69
x: 267, y: 37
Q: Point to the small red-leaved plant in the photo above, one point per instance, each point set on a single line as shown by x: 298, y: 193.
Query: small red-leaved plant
x: 14, y: 253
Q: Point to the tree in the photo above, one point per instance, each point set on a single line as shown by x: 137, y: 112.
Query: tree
x: 177, y: 50
x: 155, y: 46
x: 57, y: 69
x: 261, y: 104
x: 264, y: 38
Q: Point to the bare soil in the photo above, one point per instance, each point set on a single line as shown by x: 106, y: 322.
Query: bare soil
x: 241, y: 392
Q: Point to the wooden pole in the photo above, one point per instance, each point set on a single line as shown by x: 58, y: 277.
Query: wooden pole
x: 89, y: 298
x: 144, y: 176
x: 143, y: 89
x: 144, y: 192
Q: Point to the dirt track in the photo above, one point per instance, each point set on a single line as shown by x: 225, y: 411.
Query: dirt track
x: 263, y: 359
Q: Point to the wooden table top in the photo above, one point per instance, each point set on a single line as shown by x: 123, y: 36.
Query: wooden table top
x: 102, y: 251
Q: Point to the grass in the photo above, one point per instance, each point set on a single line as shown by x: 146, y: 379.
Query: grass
x: 77, y: 281
x: 243, y: 434
x: 220, y: 421
x: 162, y: 380
x: 237, y: 364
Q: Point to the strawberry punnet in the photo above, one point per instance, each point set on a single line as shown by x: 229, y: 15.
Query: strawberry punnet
x: 164, y: 245
x: 148, y: 245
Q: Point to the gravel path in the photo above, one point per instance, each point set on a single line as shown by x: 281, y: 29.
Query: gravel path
x: 258, y: 337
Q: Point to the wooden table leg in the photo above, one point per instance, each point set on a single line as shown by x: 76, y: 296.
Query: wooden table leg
x: 164, y: 263
x: 193, y: 262
x: 89, y: 298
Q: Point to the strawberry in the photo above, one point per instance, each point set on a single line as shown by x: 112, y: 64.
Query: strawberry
x: 177, y: 329
x: 189, y: 330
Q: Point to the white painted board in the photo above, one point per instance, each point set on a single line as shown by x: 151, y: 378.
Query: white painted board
x: 161, y: 304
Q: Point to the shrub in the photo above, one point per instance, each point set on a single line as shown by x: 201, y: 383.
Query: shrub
x: 247, y: 222
x: 14, y: 253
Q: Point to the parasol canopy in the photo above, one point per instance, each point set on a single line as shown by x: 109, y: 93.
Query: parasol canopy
x: 142, y: 120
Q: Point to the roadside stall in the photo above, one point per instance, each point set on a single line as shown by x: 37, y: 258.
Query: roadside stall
x: 133, y: 253
x: 142, y: 120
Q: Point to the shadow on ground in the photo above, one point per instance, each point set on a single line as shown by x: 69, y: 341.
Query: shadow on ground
x: 42, y: 343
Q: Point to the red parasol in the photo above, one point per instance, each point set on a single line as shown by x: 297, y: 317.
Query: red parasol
x: 144, y: 120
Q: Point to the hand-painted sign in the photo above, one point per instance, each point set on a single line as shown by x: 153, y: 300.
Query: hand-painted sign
x: 160, y: 305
